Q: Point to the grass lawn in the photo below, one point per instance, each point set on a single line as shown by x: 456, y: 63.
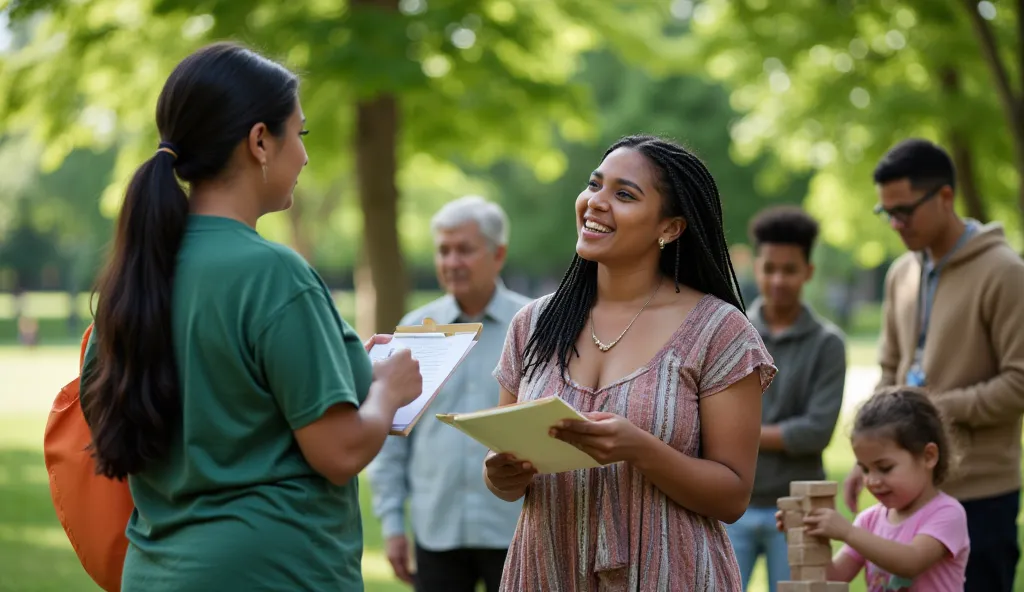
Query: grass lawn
x: 51, y: 310
x: 34, y: 553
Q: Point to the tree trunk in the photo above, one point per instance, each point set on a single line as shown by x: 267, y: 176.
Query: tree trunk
x: 1009, y: 97
x: 960, y: 150
x: 365, y: 298
x: 963, y: 160
x: 376, y: 172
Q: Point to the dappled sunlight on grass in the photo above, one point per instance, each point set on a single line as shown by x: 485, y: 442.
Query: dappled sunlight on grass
x: 377, y: 573
x: 22, y: 430
x: 37, y: 536
x: 34, y: 553
x: 25, y: 567
x: 46, y: 369
x: 21, y: 475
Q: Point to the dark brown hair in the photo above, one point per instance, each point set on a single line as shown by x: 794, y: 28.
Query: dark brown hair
x: 784, y: 225
x: 131, y: 395
x: 925, y: 164
x: 907, y: 417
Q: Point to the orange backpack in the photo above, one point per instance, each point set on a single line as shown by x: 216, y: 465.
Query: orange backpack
x: 93, y: 509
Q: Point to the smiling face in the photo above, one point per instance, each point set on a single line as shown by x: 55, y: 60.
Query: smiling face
x: 619, y: 216
x: 892, y: 474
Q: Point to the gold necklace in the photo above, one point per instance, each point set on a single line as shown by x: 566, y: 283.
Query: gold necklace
x: 605, y: 347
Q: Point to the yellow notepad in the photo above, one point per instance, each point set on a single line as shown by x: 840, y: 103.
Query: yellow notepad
x: 522, y: 430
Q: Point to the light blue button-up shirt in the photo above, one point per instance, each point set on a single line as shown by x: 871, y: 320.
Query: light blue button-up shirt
x: 438, y: 469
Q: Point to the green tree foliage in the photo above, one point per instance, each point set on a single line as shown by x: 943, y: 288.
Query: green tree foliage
x: 388, y: 84
x: 49, y: 220
x: 827, y: 88
x: 630, y: 100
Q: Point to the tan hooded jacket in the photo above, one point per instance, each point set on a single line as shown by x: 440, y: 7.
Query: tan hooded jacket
x: 973, y: 356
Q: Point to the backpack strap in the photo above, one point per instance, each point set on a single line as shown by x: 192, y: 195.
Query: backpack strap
x: 85, y: 342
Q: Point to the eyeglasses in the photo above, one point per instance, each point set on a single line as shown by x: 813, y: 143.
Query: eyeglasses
x: 903, y: 213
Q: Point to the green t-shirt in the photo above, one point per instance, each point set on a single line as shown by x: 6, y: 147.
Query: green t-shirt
x: 261, y: 351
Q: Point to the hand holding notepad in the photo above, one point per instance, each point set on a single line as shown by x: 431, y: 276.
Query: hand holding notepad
x: 522, y: 429
x: 439, y: 349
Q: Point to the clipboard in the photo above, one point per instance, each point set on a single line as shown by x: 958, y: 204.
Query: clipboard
x: 420, y: 405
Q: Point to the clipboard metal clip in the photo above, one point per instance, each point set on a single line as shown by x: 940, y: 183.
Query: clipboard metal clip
x: 430, y: 326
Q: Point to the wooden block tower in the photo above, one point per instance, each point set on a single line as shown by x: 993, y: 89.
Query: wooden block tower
x: 809, y: 556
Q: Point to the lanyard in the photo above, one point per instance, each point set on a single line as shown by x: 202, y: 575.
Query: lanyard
x: 930, y: 283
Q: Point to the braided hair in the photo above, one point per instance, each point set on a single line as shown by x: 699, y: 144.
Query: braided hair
x: 688, y: 191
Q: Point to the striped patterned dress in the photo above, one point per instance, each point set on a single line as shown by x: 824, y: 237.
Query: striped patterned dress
x: 610, y: 529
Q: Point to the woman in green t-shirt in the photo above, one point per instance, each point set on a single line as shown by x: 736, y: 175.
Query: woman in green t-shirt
x: 220, y: 380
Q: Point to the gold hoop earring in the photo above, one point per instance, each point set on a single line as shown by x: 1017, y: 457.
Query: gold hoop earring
x: 661, y: 243
x: 264, y: 167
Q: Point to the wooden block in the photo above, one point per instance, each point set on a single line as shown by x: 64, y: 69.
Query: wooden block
x: 799, y: 536
x: 792, y: 520
x: 813, y: 488
x: 808, y: 573
x: 801, y: 555
x: 810, y: 503
x: 794, y: 586
x: 791, y: 504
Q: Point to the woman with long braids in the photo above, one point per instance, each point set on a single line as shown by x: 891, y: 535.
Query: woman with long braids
x: 647, y: 336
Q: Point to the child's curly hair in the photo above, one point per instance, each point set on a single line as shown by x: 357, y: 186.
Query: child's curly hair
x: 909, y: 418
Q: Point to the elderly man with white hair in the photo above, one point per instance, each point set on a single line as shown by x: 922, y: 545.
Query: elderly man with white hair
x: 461, y: 531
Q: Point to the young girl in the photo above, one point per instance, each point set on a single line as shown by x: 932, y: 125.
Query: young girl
x: 915, y: 539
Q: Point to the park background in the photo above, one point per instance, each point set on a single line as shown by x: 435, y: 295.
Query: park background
x: 411, y: 103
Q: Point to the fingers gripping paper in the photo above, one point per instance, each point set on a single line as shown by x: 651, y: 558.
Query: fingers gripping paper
x: 439, y: 349
x: 521, y: 429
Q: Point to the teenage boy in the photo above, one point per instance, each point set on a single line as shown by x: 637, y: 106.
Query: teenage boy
x: 799, y: 411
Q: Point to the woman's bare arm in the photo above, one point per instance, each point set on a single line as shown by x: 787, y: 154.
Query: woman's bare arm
x: 718, y: 483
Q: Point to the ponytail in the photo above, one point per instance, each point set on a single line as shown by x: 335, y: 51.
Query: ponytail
x: 132, y: 401
x: 131, y: 395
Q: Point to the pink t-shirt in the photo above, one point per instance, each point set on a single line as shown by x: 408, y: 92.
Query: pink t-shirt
x: 943, y: 519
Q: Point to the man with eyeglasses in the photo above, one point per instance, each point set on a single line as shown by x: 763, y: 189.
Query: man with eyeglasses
x: 953, y: 323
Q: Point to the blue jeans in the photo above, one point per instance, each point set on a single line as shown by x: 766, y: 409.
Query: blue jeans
x: 755, y: 534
